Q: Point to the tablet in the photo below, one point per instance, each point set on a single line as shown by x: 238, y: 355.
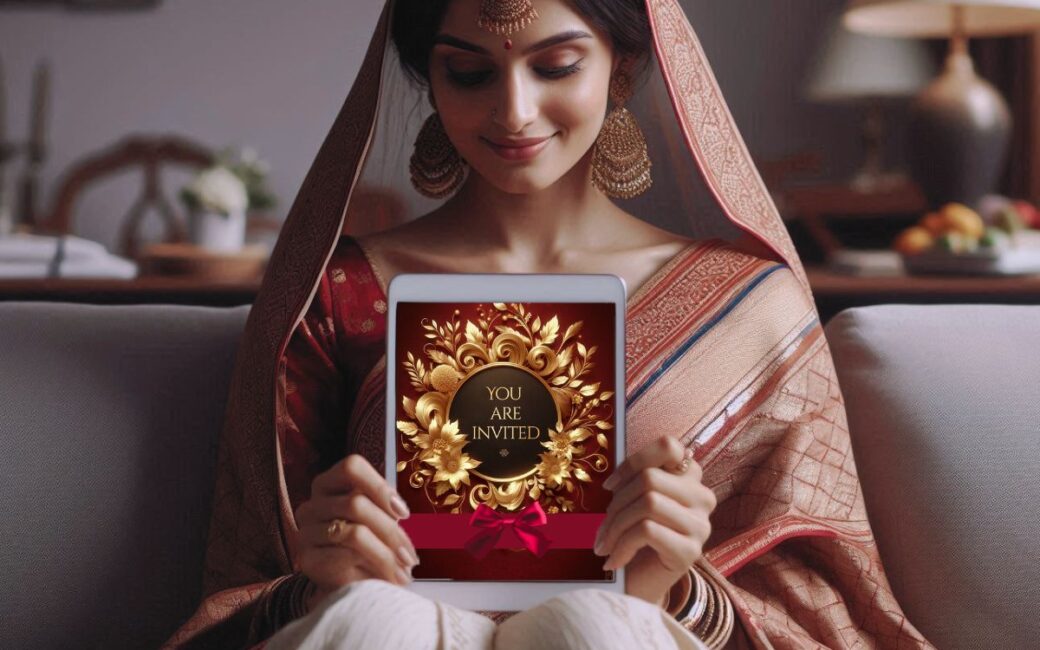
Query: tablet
x: 506, y: 413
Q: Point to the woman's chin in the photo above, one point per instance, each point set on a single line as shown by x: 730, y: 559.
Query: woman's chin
x: 521, y: 182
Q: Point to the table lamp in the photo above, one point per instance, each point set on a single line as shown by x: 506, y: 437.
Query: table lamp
x: 856, y: 69
x: 960, y: 126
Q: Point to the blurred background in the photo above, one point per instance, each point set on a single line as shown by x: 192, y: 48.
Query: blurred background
x: 151, y: 149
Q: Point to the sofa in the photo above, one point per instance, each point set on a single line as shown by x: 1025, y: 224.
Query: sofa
x: 110, y: 416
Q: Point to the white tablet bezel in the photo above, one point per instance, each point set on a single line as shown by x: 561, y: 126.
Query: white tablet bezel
x: 486, y: 288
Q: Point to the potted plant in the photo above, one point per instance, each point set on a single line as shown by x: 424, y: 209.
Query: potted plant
x: 220, y: 196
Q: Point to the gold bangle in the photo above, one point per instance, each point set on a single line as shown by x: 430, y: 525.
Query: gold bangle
x: 699, y: 606
x: 679, y: 607
x: 718, y: 631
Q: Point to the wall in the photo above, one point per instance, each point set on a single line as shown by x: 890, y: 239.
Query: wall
x: 272, y: 74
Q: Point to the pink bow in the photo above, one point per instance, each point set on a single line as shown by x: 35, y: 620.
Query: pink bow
x: 493, y: 524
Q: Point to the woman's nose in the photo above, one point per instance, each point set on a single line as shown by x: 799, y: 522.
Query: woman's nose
x: 516, y: 106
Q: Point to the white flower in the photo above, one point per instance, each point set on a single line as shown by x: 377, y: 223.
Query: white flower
x: 218, y: 189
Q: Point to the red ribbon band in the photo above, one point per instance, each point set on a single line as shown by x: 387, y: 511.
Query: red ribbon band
x: 450, y: 531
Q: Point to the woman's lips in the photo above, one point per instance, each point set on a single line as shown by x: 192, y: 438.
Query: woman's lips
x: 518, y: 149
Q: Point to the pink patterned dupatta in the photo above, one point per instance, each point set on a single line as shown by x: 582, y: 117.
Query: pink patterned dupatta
x: 725, y: 352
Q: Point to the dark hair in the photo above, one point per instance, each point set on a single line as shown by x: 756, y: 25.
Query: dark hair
x: 415, y: 23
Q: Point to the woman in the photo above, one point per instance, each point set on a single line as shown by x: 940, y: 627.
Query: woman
x: 725, y: 357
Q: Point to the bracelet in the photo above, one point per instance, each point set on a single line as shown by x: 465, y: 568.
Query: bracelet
x: 283, y: 601
x: 677, y: 599
x: 708, y: 613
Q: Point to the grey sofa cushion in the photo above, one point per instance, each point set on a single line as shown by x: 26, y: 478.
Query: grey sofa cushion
x: 109, y: 418
x: 944, y: 410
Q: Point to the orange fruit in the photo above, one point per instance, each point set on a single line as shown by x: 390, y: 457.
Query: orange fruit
x: 934, y: 223
x: 962, y: 219
x: 913, y: 240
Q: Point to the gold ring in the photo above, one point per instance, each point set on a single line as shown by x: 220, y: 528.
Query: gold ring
x: 686, y: 461
x: 335, y: 530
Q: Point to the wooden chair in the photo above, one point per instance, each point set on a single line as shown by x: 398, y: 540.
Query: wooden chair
x: 151, y: 154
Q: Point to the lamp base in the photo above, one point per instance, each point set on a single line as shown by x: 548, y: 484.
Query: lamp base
x: 959, y: 132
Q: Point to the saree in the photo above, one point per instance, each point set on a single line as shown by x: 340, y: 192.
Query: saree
x: 725, y: 352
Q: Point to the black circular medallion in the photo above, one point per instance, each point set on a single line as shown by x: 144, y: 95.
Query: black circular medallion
x: 505, y: 411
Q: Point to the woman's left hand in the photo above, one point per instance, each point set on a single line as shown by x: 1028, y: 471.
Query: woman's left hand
x: 657, y: 521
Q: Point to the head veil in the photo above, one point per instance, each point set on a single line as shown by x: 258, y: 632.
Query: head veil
x: 705, y: 185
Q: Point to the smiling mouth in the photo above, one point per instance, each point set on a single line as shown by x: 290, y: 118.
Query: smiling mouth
x: 515, y: 150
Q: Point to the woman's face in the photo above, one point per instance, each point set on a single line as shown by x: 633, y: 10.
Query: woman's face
x: 521, y: 117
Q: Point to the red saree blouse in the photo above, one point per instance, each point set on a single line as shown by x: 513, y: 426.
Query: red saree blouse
x: 336, y: 345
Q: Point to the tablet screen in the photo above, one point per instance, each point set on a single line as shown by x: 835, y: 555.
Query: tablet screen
x: 505, y: 432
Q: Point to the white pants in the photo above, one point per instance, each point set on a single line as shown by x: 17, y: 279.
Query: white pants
x: 376, y: 614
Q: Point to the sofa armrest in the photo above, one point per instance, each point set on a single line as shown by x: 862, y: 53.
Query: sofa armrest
x: 110, y: 420
x: 944, y: 410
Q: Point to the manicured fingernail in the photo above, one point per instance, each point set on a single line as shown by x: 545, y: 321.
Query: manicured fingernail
x: 609, y: 564
x: 404, y: 556
x: 399, y: 507
x: 598, y: 548
x: 403, y: 577
x: 610, y: 482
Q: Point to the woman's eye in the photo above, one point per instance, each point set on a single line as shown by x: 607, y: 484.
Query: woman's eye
x: 561, y: 71
x: 474, y: 78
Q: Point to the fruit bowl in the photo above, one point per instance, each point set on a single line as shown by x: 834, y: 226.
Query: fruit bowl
x: 957, y: 240
x: 1021, y: 257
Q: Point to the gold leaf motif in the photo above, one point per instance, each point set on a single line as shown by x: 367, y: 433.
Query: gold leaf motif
x: 473, y: 333
x: 572, y: 331
x: 409, y: 406
x: 550, y: 330
x: 407, y: 428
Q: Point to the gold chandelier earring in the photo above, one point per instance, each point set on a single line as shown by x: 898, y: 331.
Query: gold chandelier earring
x: 437, y: 169
x: 620, y: 160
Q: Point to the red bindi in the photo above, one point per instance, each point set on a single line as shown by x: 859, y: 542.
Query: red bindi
x: 509, y: 44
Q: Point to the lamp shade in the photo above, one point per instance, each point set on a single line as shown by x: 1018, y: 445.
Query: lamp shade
x: 935, y: 18
x: 851, y: 67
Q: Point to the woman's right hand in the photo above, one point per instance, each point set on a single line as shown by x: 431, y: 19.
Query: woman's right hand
x: 371, y: 544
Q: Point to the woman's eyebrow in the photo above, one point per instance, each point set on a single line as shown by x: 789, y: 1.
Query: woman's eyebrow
x: 562, y: 37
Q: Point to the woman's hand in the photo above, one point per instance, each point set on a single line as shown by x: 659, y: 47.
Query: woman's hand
x: 367, y: 543
x: 657, y: 521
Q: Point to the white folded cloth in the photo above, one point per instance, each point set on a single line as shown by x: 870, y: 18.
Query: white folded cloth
x: 24, y: 256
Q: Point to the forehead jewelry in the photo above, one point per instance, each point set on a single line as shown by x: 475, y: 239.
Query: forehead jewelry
x: 506, y: 17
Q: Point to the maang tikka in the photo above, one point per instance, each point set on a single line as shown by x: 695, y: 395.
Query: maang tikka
x: 505, y: 17
x: 620, y: 159
x: 436, y: 168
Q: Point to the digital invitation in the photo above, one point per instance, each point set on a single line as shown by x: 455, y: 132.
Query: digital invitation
x: 505, y: 432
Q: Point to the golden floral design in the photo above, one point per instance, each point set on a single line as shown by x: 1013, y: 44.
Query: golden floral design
x: 452, y: 465
x: 509, y: 333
